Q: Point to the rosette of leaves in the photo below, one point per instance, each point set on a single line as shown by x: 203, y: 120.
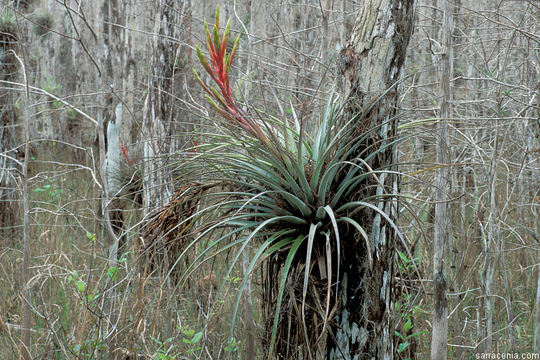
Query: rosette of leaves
x: 294, y: 198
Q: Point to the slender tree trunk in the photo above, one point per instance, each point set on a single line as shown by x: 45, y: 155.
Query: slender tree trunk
x: 249, y: 349
x: 8, y: 137
x: 371, y: 62
x: 26, y: 306
x: 537, y: 319
x: 440, y: 237
x: 114, y: 70
x: 491, y: 245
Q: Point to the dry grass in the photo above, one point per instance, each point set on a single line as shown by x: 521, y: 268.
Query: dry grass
x: 71, y: 279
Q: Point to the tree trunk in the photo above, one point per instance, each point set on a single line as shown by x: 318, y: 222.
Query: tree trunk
x: 440, y: 237
x: 371, y: 63
x: 116, y: 73
x: 249, y: 348
x: 159, y: 109
x: 537, y: 317
x: 26, y: 307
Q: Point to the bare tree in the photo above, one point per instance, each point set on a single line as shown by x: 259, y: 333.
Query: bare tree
x: 26, y: 296
x: 8, y: 120
x: 537, y: 319
x: 440, y: 239
x: 537, y: 302
x: 159, y: 107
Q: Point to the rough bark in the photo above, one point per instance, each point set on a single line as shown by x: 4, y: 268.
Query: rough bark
x: 159, y: 109
x: 537, y: 317
x: 371, y: 62
x: 249, y: 348
x: 26, y: 306
x: 8, y: 135
x: 115, y: 74
x: 440, y: 236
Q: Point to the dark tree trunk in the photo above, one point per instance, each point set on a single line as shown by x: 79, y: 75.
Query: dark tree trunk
x: 371, y: 63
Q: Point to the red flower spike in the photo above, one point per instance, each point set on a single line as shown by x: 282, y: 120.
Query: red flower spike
x: 221, y: 98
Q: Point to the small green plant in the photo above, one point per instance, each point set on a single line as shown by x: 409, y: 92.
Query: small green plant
x: 233, y: 346
x: 165, y: 349
x: 406, y: 263
x: 192, y: 338
x: 234, y: 280
x: 405, y: 310
x: 50, y: 191
x: 405, y: 334
x: 404, y: 338
x: 80, y: 285
x: 88, y: 348
x: 85, y: 296
x: 112, y: 273
x: 91, y: 236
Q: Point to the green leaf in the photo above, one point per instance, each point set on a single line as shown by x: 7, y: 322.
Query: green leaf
x: 217, y: 41
x: 81, y: 286
x: 331, y: 214
x: 123, y: 257
x: 403, y: 346
x: 283, y: 282
x: 407, y: 326
x: 39, y: 190
x: 416, y: 334
x: 217, y: 16
x: 233, y: 51
x: 225, y: 39
x: 311, y: 239
x: 327, y: 180
x: 156, y: 340
x: 198, y: 336
x: 403, y: 256
x: 263, y: 251
x: 321, y: 213
x: 112, y: 272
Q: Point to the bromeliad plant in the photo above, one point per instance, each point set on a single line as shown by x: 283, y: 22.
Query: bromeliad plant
x: 298, y: 200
